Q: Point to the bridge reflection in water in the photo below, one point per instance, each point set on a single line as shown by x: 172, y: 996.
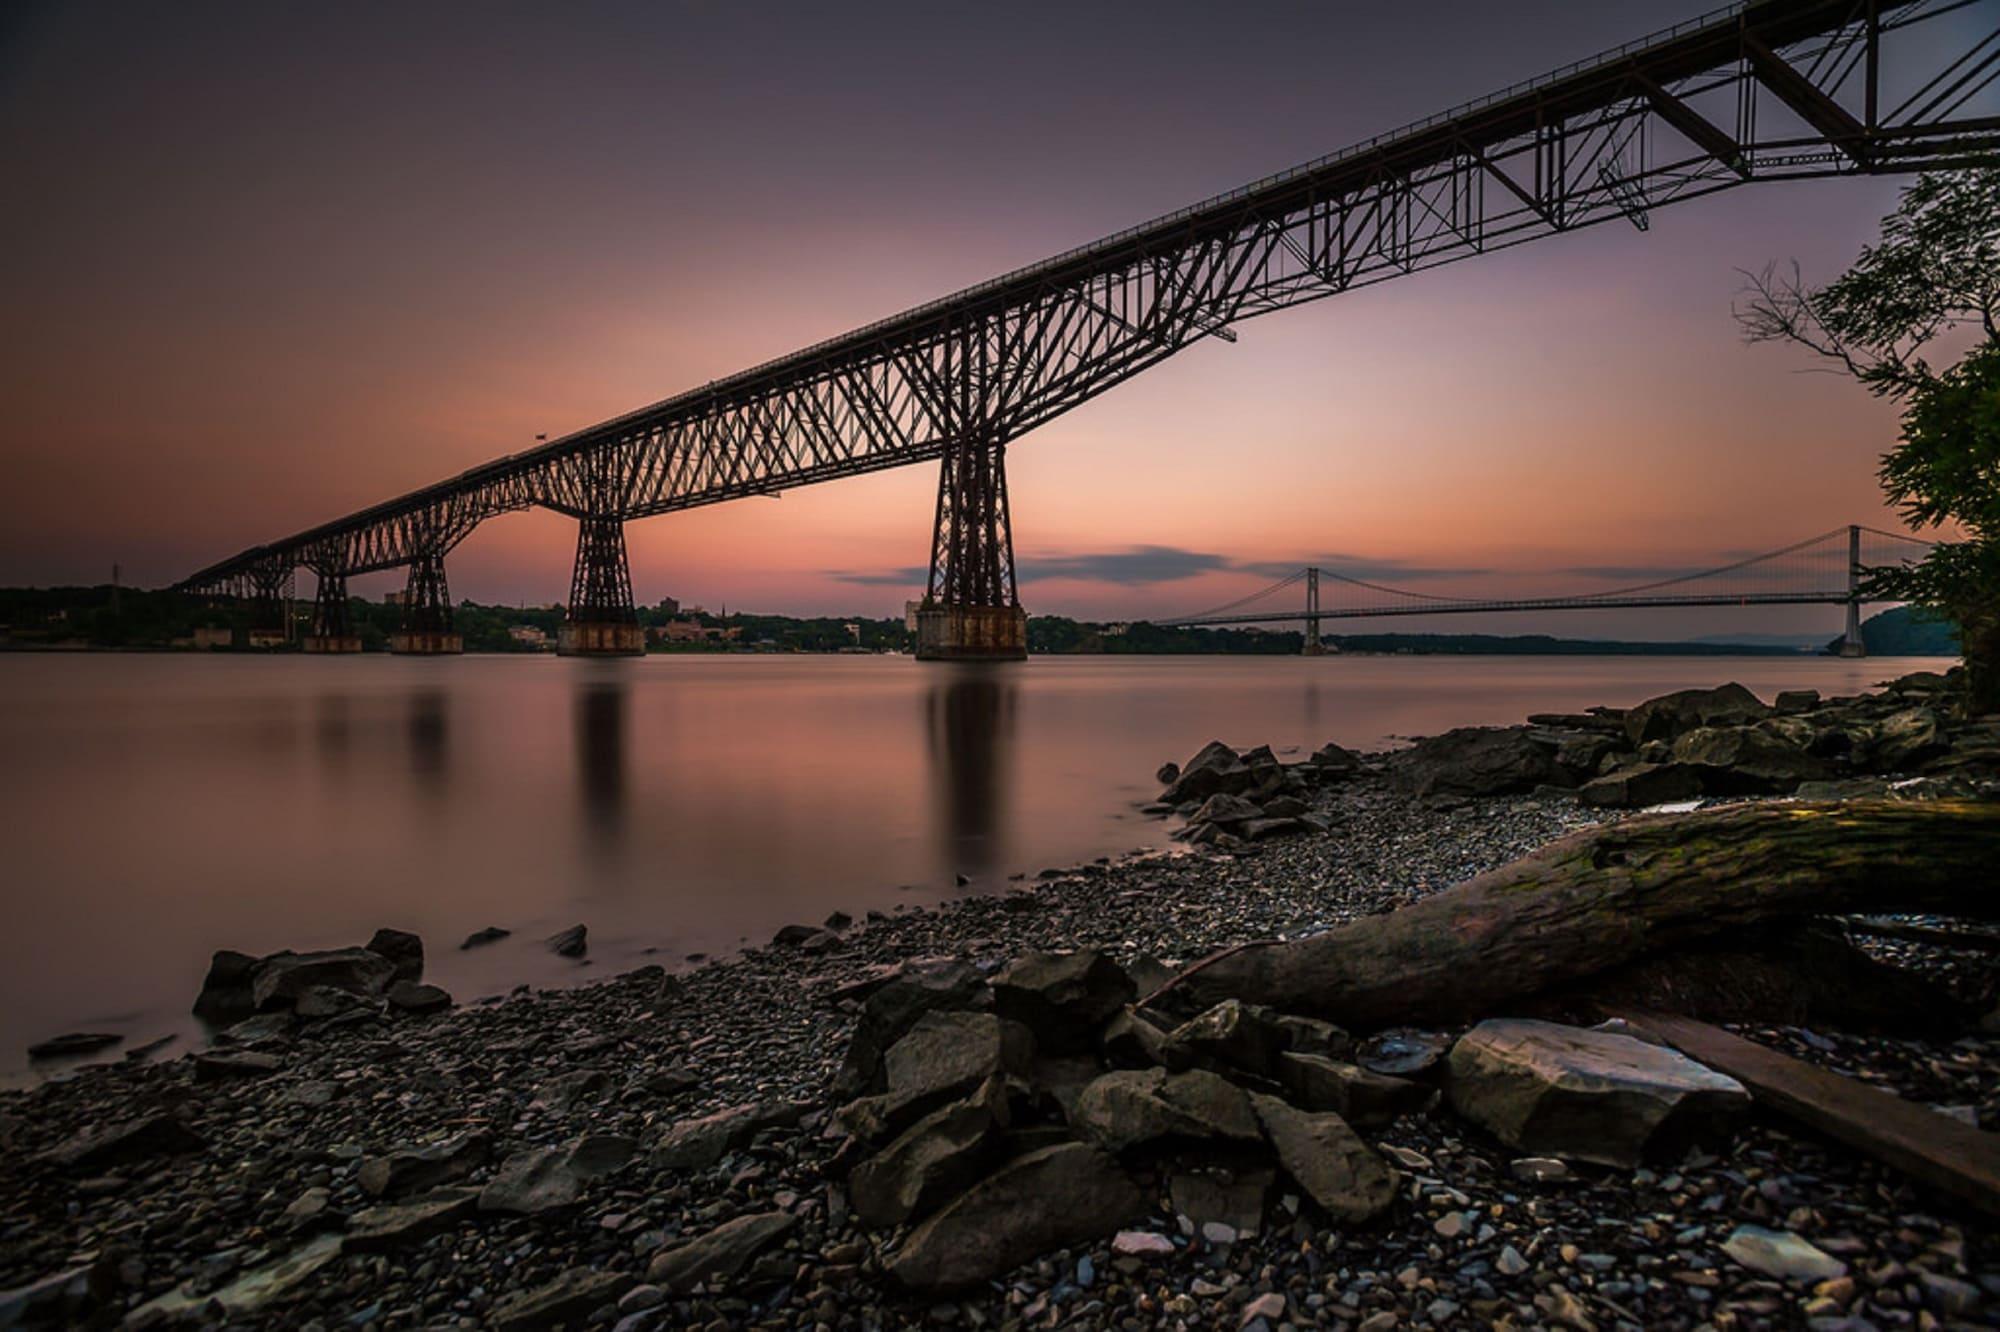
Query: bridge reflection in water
x: 601, y: 760
x: 969, y: 718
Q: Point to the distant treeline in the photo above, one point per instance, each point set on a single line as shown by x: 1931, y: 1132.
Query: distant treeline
x: 128, y: 618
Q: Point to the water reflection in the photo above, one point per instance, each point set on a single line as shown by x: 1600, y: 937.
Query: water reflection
x: 430, y: 736
x: 334, y: 730
x: 601, y: 760
x: 969, y: 723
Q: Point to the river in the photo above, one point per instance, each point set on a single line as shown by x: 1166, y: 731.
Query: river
x: 157, y: 808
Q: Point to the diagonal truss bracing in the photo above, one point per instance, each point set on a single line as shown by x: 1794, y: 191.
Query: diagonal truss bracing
x: 1772, y: 89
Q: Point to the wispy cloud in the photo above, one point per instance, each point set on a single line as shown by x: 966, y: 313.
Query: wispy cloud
x: 1136, y: 565
x: 1359, y: 566
x: 913, y: 576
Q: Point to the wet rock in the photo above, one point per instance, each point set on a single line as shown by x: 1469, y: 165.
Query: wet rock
x: 723, y: 1251
x: 313, y: 1004
x: 1583, y: 1095
x: 1167, y: 774
x: 1219, y: 1195
x: 1363, y: 1098
x: 1245, y: 1035
x: 1792, y: 702
x: 559, y: 1094
x: 412, y: 997
x: 1328, y: 1160
x: 227, y: 1065
x: 893, y: 1008
x: 694, y: 1144
x: 1066, y: 1194
x: 142, y: 1139
x: 1063, y: 998
x: 491, y: 934
x: 1330, y: 760
x: 1226, y: 809
x: 61, y: 1299
x: 567, y: 1300
x: 572, y: 942
x: 1745, y: 760
x: 1903, y: 740
x: 1131, y: 1040
x: 393, y: 1225
x: 791, y: 936
x: 1641, y: 784
x: 1781, y: 1254
x: 945, y: 1053
x: 936, y: 1157
x: 400, y: 1174
x: 1669, y: 715
x: 1477, y: 761
x: 404, y: 950
x: 282, y: 977
x: 1304, y: 1035
x: 73, y: 1043
x: 263, y: 1288
x: 226, y: 995
x: 542, y: 1179
x: 1402, y: 1052
x: 1127, y: 1108
x: 1217, y: 768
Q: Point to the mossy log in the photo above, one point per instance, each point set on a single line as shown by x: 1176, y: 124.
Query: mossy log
x: 1611, y: 895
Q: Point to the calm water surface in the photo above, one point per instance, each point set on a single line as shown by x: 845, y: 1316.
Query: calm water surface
x: 157, y: 808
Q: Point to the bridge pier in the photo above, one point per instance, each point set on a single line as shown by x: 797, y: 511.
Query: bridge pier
x: 972, y: 608
x: 601, y: 620
x: 270, y: 607
x: 1852, y: 644
x: 332, y: 627
x: 426, y: 630
x: 1312, y: 647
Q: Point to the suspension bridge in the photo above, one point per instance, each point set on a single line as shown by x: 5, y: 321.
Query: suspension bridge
x: 1827, y: 569
x: 1762, y: 91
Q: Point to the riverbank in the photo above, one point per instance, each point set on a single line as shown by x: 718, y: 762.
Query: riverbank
x: 294, y: 1121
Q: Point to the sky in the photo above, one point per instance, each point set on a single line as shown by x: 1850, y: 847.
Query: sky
x: 269, y: 264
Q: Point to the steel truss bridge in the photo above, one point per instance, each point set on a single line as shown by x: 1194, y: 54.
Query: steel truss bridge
x: 1760, y: 91
x: 1828, y: 569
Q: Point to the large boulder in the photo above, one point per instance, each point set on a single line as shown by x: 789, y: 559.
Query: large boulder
x: 932, y: 1160
x: 1133, y: 1107
x: 1057, y: 1196
x: 1361, y: 1097
x: 404, y: 950
x: 1217, y: 768
x: 389, y: 1226
x: 945, y: 1053
x: 282, y: 977
x: 1328, y: 1160
x: 1585, y: 1095
x: 1669, y: 715
x: 1063, y: 998
x: 1641, y: 784
x: 1903, y: 740
x: 893, y: 1007
x: 1248, y: 1036
x: 721, y: 1252
x: 1228, y: 810
x: 1478, y: 761
x: 225, y: 992
x: 252, y: 1295
x: 1745, y: 760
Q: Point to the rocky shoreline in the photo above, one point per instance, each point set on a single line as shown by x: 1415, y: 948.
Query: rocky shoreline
x: 686, y: 1150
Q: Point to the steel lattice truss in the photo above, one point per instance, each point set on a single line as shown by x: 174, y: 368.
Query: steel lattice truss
x: 1776, y: 89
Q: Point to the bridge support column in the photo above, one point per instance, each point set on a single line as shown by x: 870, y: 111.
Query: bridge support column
x: 1312, y: 647
x: 426, y: 630
x: 332, y: 627
x: 601, y: 621
x: 1852, y: 644
x: 270, y: 607
x: 972, y: 609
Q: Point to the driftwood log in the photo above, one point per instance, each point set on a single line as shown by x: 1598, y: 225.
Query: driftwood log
x: 1608, y: 896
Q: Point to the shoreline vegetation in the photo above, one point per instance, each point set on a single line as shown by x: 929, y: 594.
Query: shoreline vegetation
x: 106, y: 618
x: 1157, y: 1091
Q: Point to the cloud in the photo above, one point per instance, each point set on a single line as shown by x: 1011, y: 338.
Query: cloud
x: 913, y: 576
x: 1136, y: 565
x: 1359, y: 566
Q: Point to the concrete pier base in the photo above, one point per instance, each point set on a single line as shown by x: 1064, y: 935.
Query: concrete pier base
x: 1852, y: 648
x: 330, y: 643
x: 1312, y: 649
x: 600, y: 640
x: 972, y: 633
x: 425, y: 643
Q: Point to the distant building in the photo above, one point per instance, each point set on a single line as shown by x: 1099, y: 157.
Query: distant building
x: 528, y: 634
x: 670, y: 605
x: 1116, y: 630
x: 210, y: 636
x: 910, y: 609
x: 396, y: 597
x: 853, y: 631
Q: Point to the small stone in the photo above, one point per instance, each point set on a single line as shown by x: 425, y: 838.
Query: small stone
x: 572, y: 942
x: 1142, y: 1243
x: 1510, y: 1262
x: 1540, y: 1169
x: 1781, y: 1254
x: 491, y: 934
x: 1269, y: 1307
